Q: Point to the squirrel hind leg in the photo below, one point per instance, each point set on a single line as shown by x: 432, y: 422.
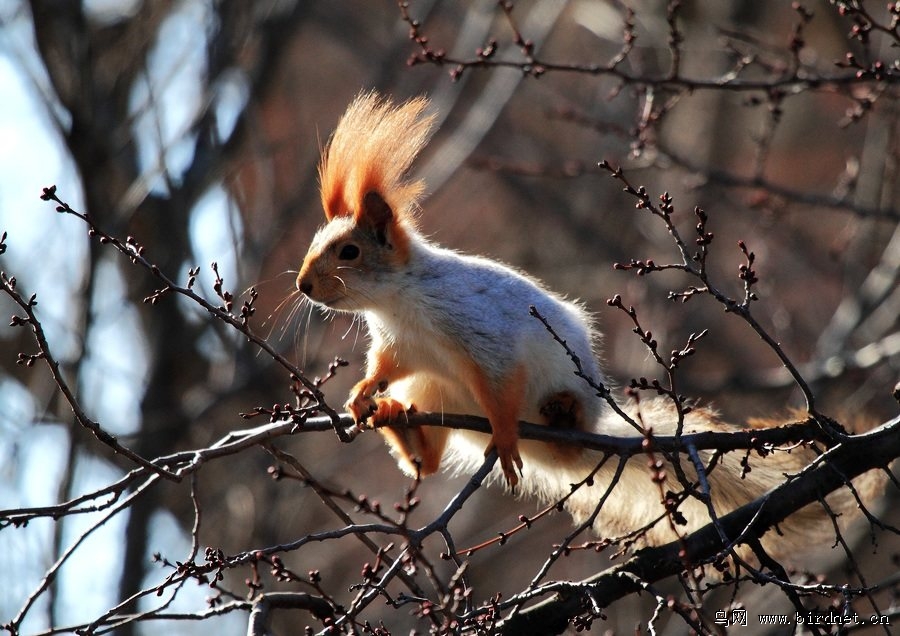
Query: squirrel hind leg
x: 563, y: 410
x: 418, y: 449
x: 502, y: 404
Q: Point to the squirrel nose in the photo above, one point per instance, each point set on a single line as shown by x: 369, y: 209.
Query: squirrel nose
x: 304, y: 286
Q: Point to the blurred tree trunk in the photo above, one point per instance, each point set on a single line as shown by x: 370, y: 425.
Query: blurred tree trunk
x: 93, y: 70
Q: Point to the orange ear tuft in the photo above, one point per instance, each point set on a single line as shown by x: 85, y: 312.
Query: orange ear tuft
x: 370, y: 151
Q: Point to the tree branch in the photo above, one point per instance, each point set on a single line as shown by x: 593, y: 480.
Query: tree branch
x: 873, y: 450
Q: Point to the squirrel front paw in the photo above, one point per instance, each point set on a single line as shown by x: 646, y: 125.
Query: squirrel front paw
x: 362, y: 407
x: 363, y: 404
x: 508, y: 453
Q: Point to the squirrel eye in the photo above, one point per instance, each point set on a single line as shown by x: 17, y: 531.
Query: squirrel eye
x: 348, y: 252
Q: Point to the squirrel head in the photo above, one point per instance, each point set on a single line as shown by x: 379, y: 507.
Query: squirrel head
x: 369, y: 203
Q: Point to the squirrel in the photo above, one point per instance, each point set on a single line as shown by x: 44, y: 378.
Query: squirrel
x: 452, y: 333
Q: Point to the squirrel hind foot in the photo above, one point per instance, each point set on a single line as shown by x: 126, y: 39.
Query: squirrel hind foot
x: 510, y: 460
x: 562, y: 410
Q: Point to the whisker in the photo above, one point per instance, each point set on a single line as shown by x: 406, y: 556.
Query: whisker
x: 350, y: 327
x: 292, y: 300
x: 301, y: 335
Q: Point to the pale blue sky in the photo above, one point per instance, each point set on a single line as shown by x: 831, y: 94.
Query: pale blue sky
x: 45, y: 251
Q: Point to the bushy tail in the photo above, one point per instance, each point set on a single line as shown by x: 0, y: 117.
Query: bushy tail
x: 645, y: 500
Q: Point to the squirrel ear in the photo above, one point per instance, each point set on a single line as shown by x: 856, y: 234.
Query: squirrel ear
x: 377, y: 213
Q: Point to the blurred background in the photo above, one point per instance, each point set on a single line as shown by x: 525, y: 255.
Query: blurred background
x: 196, y: 126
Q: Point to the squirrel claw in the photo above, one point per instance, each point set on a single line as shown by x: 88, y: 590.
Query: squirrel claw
x: 375, y: 411
x: 509, y: 461
x: 361, y: 407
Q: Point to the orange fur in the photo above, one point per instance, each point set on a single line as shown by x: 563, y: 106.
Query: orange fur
x: 383, y: 369
x: 371, y: 149
x: 411, y: 443
x: 502, y: 404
